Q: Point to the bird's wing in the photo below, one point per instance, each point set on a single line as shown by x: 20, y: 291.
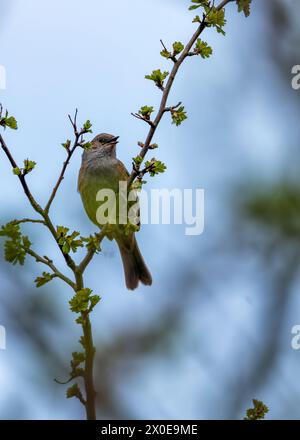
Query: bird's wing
x: 123, y: 173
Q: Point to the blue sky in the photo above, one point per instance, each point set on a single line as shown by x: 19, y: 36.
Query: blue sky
x: 93, y: 56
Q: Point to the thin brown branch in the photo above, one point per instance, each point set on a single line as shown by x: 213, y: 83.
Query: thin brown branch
x: 28, y: 220
x: 174, y: 107
x: 89, y: 349
x: 70, y: 153
x: 89, y: 403
x: 21, y: 177
x: 91, y: 252
x: 224, y: 3
x: 61, y: 176
x: 142, y: 118
x: 35, y: 205
x: 166, y: 90
x: 172, y: 57
x: 48, y: 262
x: 74, y: 121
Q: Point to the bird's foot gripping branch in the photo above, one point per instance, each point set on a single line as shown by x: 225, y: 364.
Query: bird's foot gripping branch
x: 18, y: 246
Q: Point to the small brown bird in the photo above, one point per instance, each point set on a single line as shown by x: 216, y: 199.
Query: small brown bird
x: 101, y: 169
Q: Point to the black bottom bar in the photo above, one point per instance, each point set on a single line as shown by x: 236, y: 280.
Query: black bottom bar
x: 144, y: 428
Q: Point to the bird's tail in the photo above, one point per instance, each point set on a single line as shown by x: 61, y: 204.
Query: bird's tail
x: 135, y: 269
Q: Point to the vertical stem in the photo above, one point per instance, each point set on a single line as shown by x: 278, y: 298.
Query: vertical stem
x: 89, y: 359
x: 89, y: 366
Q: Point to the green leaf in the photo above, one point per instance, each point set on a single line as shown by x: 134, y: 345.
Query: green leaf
x: 82, y: 341
x: 86, y: 145
x: 66, y: 144
x: 80, y: 301
x: 155, y: 166
x: 166, y: 54
x: 79, y: 320
x: 77, y: 359
x: 26, y: 242
x: 92, y: 243
x: 68, y: 242
x: 83, y: 301
x: 44, y: 279
x: 28, y: 166
x: 74, y: 391
x: 158, y: 77
x: 94, y: 299
x: 15, y: 247
x: 258, y: 412
x: 138, y: 184
x: 11, y: 230
x: 215, y: 18
x: 14, y: 253
x: 203, y: 49
x: 197, y: 19
x: 137, y: 160
x: 62, y: 231
x: 177, y: 48
x: 74, y: 244
x: 87, y: 127
x: 244, y: 6
x: 178, y: 115
x: 198, y: 4
x: 17, y: 171
x: 7, y: 121
x: 11, y: 123
x: 146, y: 111
x: 131, y: 228
x: 160, y: 167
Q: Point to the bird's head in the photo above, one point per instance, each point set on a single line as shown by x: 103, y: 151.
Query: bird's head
x: 105, y: 143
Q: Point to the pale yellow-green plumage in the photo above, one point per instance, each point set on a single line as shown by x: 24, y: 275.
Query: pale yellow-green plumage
x: 101, y: 169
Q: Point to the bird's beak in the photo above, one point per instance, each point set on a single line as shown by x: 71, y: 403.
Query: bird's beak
x: 114, y: 140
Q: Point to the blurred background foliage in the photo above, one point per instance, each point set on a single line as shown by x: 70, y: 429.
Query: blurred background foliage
x: 214, y: 332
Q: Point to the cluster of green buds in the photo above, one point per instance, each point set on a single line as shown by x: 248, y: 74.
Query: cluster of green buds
x: 7, y: 121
